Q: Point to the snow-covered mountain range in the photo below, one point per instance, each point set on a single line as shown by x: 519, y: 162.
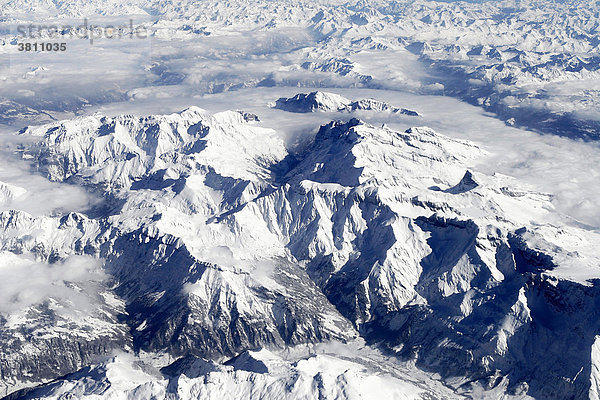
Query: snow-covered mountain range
x: 214, y: 239
x: 324, y: 101
x: 532, y: 63
x: 324, y: 244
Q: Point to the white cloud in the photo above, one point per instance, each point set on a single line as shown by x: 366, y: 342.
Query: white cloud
x: 32, y: 192
x: 25, y: 282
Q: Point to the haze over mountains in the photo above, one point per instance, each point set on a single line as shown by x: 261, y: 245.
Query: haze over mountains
x: 292, y: 200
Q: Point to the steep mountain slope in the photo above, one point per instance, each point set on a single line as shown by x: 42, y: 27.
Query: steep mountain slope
x: 184, y: 291
x: 459, y: 279
x: 218, y: 261
x: 214, y: 240
x: 324, y: 101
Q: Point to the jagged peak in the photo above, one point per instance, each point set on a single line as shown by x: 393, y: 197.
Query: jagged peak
x: 326, y: 101
x: 314, y: 101
x: 468, y: 182
x: 335, y: 130
x: 126, y: 147
x: 89, y: 123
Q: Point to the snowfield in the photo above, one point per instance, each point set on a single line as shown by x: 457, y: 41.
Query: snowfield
x: 285, y: 200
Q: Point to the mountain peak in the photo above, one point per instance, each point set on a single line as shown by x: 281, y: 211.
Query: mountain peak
x: 314, y: 101
x: 467, y: 183
x: 331, y: 102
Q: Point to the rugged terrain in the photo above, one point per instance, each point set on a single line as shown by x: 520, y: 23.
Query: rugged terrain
x: 532, y: 63
x: 213, y: 239
x: 324, y: 244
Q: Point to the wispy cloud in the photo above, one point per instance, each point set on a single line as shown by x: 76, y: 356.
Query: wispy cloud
x: 25, y: 282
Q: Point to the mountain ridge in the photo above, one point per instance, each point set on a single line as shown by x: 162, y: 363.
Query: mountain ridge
x: 318, y: 255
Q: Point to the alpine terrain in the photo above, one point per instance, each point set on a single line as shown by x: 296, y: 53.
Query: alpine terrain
x: 301, y: 200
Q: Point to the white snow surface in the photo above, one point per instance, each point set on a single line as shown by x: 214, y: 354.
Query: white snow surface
x: 172, y: 230
x: 254, y: 374
x: 388, y: 214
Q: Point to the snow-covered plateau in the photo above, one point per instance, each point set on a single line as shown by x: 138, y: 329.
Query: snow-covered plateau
x: 300, y: 200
